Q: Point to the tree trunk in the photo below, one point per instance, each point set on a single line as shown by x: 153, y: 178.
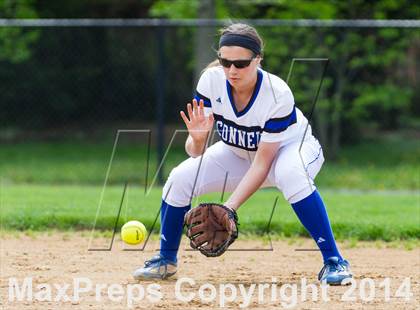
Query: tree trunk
x: 321, y: 111
x: 321, y: 124
x: 204, y: 39
x: 334, y: 145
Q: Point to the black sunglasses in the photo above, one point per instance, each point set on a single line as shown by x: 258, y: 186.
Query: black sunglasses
x: 239, y: 64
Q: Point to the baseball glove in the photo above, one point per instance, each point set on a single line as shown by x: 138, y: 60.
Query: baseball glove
x: 211, y: 228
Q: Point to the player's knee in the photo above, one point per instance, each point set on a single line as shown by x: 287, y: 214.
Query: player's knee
x: 178, y: 180
x: 290, y: 177
x: 178, y: 187
x: 293, y: 182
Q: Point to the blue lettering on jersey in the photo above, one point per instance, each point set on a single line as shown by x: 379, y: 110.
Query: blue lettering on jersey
x: 248, y: 138
x: 243, y: 137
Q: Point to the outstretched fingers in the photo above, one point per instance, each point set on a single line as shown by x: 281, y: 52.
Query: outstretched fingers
x: 190, y: 111
x: 184, y: 117
x: 195, y: 109
x: 201, y: 109
x: 195, y: 117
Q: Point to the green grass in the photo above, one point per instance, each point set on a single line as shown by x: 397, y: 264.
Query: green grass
x: 58, y: 185
x: 383, y: 163
x: 354, y: 215
x: 390, y: 162
x: 79, y: 162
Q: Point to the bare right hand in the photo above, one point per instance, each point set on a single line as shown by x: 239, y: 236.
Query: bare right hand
x: 197, y: 123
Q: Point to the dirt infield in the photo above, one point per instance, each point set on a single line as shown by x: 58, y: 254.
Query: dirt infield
x: 58, y: 265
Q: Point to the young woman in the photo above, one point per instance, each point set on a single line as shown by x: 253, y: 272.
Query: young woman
x: 261, y: 130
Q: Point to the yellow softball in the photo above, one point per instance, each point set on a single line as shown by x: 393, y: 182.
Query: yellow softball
x: 133, y: 232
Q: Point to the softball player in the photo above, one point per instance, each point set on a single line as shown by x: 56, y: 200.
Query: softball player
x: 261, y: 130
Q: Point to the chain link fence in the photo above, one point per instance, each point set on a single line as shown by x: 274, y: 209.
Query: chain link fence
x: 67, y: 79
x: 85, y: 79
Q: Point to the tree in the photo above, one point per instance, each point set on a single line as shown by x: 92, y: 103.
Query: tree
x: 204, y: 38
x: 368, y: 83
x: 15, y: 42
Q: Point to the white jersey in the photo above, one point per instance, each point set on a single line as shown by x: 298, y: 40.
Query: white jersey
x: 269, y: 116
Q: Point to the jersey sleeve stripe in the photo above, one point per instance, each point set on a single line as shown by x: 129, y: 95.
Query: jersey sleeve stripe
x: 276, y: 125
x: 198, y: 97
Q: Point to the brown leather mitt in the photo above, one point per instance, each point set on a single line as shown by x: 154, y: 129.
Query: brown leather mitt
x: 211, y: 228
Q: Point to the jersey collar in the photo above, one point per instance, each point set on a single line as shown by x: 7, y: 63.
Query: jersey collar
x: 253, y: 97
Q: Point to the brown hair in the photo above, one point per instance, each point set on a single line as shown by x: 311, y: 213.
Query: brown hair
x: 242, y: 29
